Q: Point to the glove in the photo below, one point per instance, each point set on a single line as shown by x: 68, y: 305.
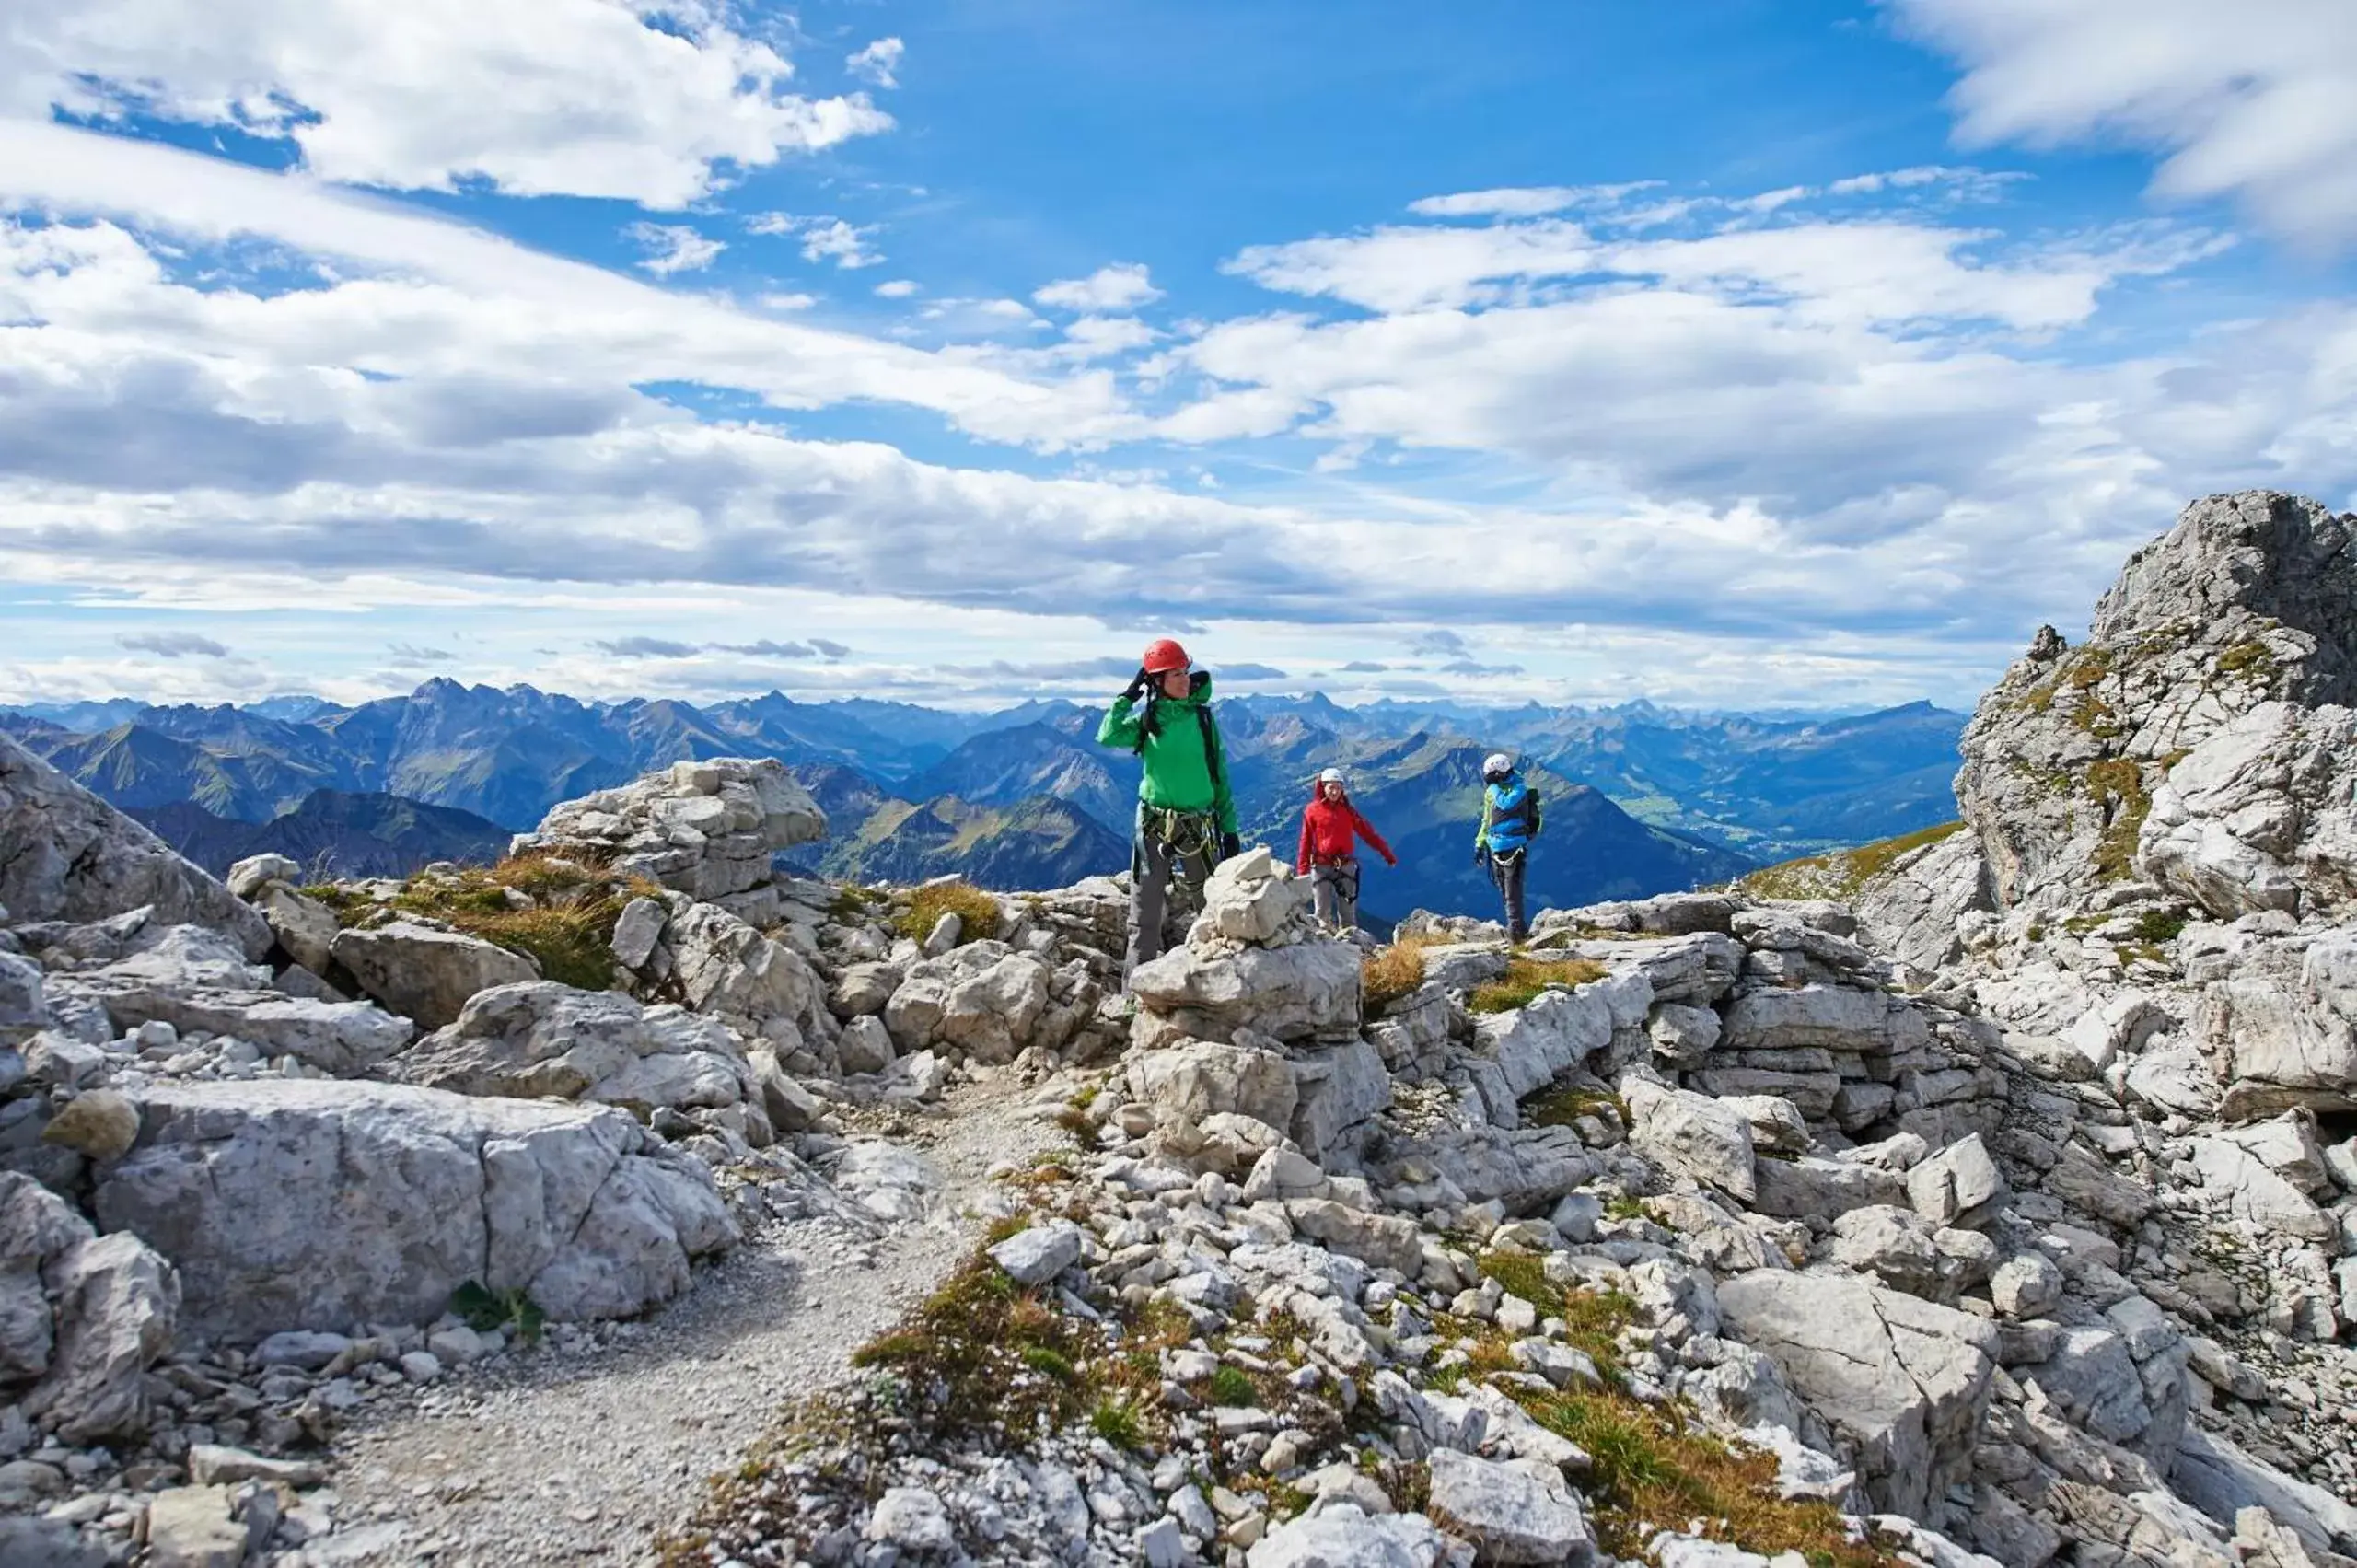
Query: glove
x: 1481, y: 855
x: 1230, y: 846
x: 1140, y: 684
x: 1392, y: 860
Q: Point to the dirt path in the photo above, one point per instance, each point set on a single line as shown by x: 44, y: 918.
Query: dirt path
x: 583, y: 1458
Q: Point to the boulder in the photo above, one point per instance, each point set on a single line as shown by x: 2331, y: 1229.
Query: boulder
x: 705, y: 828
x: 1692, y: 1135
x: 81, y: 1316
x: 537, y: 1037
x: 1305, y: 991
x: 1682, y: 1036
x: 1833, y: 1018
x: 636, y: 930
x: 98, y: 1124
x: 1337, y: 1089
x: 1343, y: 1536
x: 728, y: 970
x: 424, y: 974
x: 1959, y: 1186
x: 1899, y: 1247
x: 1034, y: 1257
x: 304, y: 926
x: 23, y: 1012
x: 1198, y: 1079
x: 1902, y: 1382
x: 1517, y: 1512
x: 2255, y: 1194
x: 247, y: 875
x: 577, y: 1205
x: 1536, y: 1044
x: 1918, y: 908
x: 67, y: 855
x: 2259, y: 814
x: 988, y: 1017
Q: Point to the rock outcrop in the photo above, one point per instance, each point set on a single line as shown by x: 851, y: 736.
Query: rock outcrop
x: 325, y: 1204
x: 67, y: 855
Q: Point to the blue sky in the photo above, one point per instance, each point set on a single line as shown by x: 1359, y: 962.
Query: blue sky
x: 1729, y: 354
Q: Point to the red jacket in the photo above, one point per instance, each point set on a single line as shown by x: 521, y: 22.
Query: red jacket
x: 1327, y: 829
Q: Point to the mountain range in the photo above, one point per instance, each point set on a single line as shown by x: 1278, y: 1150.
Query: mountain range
x: 1639, y: 798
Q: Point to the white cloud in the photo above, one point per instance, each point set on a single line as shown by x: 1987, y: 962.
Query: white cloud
x: 417, y: 298
x: 824, y: 239
x: 674, y: 248
x: 896, y: 288
x: 174, y: 644
x: 879, y: 62
x: 587, y: 97
x: 1122, y: 287
x: 1522, y: 201
x: 2256, y: 101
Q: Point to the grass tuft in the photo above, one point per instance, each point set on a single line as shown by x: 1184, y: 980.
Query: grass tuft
x: 1391, y: 972
x: 1526, y: 977
x: 1231, y: 1386
x: 1839, y: 876
x: 977, y: 913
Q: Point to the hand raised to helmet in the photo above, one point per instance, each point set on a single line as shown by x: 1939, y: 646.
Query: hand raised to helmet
x: 1140, y: 684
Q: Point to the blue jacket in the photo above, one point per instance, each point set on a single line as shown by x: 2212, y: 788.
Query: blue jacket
x: 1509, y: 816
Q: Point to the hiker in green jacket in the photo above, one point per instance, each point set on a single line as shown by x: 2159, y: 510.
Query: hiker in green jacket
x: 1185, y: 822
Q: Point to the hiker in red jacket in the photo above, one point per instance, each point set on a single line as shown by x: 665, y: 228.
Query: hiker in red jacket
x: 1330, y: 827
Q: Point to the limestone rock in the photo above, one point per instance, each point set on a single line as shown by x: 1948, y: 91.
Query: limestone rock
x: 22, y: 1009
x: 1919, y: 907
x: 1903, y: 1382
x: 66, y: 854
x: 1512, y: 1513
x: 424, y: 974
x: 304, y: 926
x: 86, y: 1315
x: 1959, y: 1186
x: 1343, y: 1536
x: 1692, y: 1134
x: 705, y: 828
x: 1200, y: 1077
x: 1250, y: 897
x: 246, y: 877
x: 539, y: 1037
x: 1305, y: 991
x: 578, y: 1205
x: 1037, y: 1255
x: 636, y: 930
x: 2245, y: 602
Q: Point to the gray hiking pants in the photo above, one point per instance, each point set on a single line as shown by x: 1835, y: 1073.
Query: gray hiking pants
x: 1334, y: 891
x: 1167, y: 880
x: 1505, y: 873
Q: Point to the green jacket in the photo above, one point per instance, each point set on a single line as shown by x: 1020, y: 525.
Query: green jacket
x: 1178, y: 755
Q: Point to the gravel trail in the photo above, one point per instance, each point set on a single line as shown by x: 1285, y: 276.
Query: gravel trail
x: 584, y: 1456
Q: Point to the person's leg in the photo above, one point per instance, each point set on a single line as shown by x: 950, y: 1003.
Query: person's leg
x: 1517, y: 929
x: 1324, y: 889
x: 1188, y: 873
x: 1346, y: 893
x: 1149, y: 878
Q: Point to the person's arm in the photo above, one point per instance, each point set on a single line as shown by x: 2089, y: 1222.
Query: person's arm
x: 1301, y: 856
x: 1366, y: 830
x: 1120, y: 729
x: 1481, y: 833
x: 1534, y: 814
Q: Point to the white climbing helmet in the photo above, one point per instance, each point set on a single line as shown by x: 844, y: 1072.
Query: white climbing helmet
x: 1497, y: 765
x: 1332, y: 775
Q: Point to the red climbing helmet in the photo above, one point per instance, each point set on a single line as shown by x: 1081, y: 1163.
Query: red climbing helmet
x: 1163, y: 655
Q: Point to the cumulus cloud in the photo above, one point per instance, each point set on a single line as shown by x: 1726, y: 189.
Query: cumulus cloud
x: 674, y: 248
x: 582, y: 97
x: 879, y: 62
x: 647, y: 647
x: 829, y: 649
x: 2252, y: 102
x: 1525, y: 201
x: 409, y: 655
x: 174, y: 644
x: 767, y: 648
x: 1437, y: 642
x: 896, y: 288
x: 824, y: 239
x: 1124, y: 286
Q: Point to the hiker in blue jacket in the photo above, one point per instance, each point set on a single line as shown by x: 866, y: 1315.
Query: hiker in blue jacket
x: 1509, y: 821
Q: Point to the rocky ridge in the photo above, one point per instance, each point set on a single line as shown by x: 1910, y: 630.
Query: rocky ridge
x: 1996, y: 1219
